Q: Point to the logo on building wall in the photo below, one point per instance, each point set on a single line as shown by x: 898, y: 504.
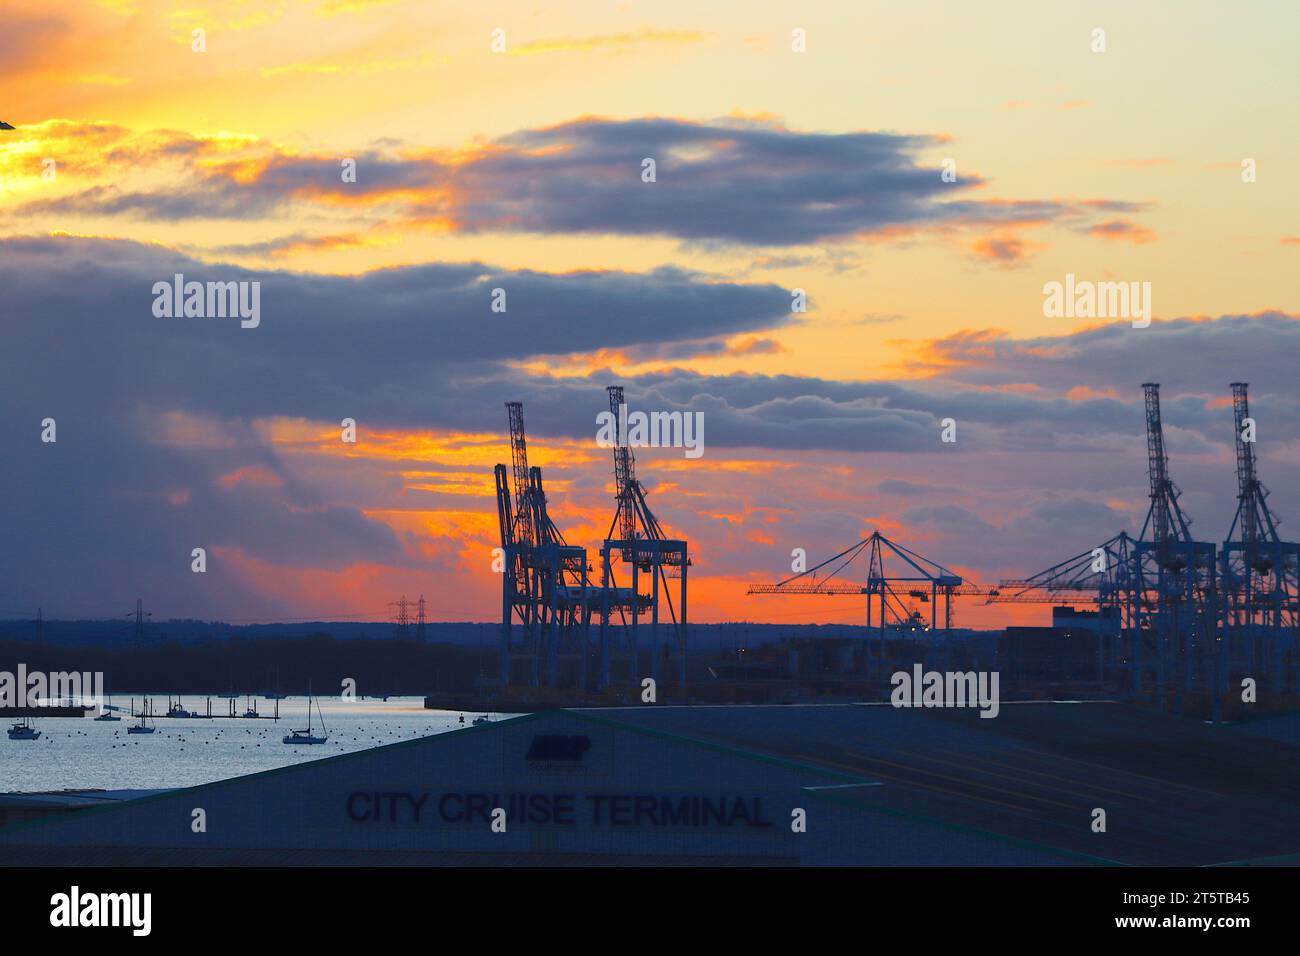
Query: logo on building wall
x: 558, y: 747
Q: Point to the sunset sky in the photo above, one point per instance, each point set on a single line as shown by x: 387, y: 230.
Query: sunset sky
x: 135, y: 157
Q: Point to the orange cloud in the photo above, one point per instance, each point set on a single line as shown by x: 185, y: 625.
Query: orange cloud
x: 755, y: 345
x: 1120, y: 230
x: 338, y: 242
x: 1083, y: 393
x: 253, y: 475
x: 1004, y: 249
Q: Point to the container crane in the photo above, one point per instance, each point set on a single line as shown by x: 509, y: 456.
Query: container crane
x: 895, y: 575
x: 1260, y: 572
x: 1175, y: 576
x: 545, y: 580
x: 644, y: 548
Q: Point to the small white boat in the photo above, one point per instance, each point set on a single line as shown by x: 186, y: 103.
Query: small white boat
x: 24, y: 730
x: 485, y: 719
x: 106, y: 712
x: 143, y: 727
x: 306, y: 736
x: 176, y: 710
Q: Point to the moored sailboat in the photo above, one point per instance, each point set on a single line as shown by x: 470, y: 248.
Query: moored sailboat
x: 306, y: 736
x: 143, y: 727
x: 24, y: 729
x: 106, y: 710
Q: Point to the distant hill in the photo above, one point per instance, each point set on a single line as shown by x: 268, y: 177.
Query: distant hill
x: 703, y: 637
x: 121, y: 632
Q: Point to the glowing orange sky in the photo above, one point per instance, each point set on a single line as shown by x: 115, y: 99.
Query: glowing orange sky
x: 113, y: 93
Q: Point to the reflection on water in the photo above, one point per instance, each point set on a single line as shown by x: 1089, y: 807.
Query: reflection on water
x: 77, y: 753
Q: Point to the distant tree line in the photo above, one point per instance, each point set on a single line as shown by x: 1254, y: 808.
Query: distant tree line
x: 237, y: 665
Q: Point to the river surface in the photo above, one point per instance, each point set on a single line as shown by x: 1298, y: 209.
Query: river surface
x: 81, y: 753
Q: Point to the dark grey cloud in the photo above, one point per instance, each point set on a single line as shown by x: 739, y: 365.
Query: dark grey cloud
x: 953, y: 519
x: 1049, y: 529
x: 718, y: 184
x: 729, y: 182
x: 383, y: 341
x: 260, y: 186
x: 1194, y: 360
x: 740, y: 182
x: 419, y: 345
x: 216, y: 199
x: 901, y: 487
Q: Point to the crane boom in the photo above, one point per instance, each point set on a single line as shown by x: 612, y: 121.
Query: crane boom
x: 1165, y: 520
x: 1253, y: 519
x: 1246, y: 481
x: 1157, y: 465
x: 624, y: 470
x: 525, y: 533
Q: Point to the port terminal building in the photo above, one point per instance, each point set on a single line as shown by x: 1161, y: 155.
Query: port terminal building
x: 754, y: 785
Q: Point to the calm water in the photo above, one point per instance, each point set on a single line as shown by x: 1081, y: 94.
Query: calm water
x: 82, y: 753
